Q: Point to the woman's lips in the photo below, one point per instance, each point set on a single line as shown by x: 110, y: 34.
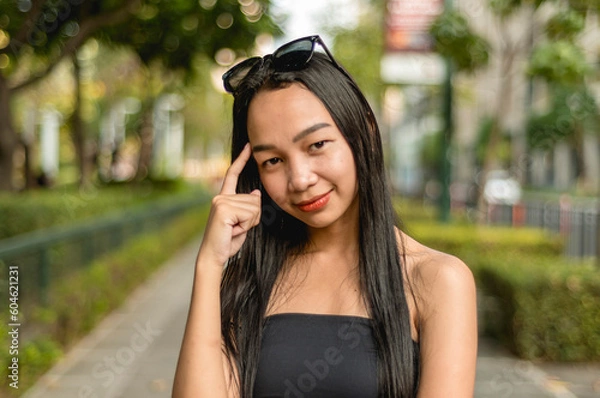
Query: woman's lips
x: 315, y: 203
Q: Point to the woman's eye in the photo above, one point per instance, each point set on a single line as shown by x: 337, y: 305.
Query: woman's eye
x: 271, y: 162
x: 318, y: 145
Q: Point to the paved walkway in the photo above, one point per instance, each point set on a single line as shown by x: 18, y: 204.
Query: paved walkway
x: 133, y: 352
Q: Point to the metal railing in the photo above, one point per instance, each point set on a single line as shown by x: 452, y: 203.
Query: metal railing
x: 578, y: 224
x: 46, y: 255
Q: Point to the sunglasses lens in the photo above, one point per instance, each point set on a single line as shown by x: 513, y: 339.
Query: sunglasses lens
x: 234, y: 76
x: 289, y: 57
x: 293, y: 55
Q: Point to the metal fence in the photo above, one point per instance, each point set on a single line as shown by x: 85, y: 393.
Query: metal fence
x: 50, y: 254
x: 578, y: 224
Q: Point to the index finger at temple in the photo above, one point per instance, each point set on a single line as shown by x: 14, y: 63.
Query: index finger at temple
x: 234, y: 171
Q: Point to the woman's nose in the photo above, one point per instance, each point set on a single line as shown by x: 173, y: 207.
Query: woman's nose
x: 301, y: 176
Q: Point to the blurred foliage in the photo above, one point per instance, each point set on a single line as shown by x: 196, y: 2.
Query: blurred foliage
x: 455, y: 40
x: 560, y: 62
x: 548, y: 36
x: 81, y: 300
x: 584, y: 6
x: 572, y: 110
x: 433, y: 145
x: 35, y: 36
x: 173, y: 31
x: 42, y: 32
x: 37, y: 209
x: 505, y: 8
x: 484, y: 131
x: 35, y: 358
x: 360, y: 48
x: 539, y: 304
x: 472, y: 242
x: 565, y: 25
x: 542, y: 308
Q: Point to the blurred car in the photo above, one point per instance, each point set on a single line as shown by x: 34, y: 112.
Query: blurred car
x: 501, y: 188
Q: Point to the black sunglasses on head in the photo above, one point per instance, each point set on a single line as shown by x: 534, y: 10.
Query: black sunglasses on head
x: 291, y: 56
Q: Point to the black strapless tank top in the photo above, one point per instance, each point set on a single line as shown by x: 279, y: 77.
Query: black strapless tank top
x: 313, y: 355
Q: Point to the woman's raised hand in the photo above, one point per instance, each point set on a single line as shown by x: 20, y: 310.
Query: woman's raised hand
x: 231, y: 216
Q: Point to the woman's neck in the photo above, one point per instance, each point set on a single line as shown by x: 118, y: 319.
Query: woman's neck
x: 339, y: 237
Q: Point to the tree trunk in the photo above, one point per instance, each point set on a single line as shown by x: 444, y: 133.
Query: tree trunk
x: 8, y: 138
x: 578, y: 143
x: 146, y: 134
x: 78, y: 131
x: 30, y: 181
x: 490, y: 160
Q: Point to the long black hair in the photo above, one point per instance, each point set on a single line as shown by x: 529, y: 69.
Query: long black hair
x: 250, y: 276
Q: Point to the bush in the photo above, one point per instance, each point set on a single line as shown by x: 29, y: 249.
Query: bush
x: 468, y: 237
x: 79, y: 301
x: 542, y: 308
x: 31, y: 210
x: 536, y: 302
x: 474, y: 244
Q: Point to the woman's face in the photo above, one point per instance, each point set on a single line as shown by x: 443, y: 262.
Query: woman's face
x: 305, y: 164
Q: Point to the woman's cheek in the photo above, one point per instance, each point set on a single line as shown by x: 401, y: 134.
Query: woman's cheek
x: 273, y: 187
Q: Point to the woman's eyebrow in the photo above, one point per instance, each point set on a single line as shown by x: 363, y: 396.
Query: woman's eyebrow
x: 297, y: 137
x: 310, y: 130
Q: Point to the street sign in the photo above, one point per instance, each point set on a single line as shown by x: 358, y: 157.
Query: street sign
x: 409, y: 56
x: 407, y: 24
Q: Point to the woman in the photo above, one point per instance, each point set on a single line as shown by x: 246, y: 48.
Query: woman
x: 321, y: 295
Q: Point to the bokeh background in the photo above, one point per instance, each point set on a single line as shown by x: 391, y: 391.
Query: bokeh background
x: 115, y: 133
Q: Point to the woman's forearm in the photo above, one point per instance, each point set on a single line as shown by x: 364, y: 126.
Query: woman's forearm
x: 200, y: 370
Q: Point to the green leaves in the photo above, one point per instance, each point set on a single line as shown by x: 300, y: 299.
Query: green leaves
x: 505, y: 8
x: 561, y: 62
x: 455, y: 40
x: 174, y: 32
x: 565, y: 25
x: 571, y: 108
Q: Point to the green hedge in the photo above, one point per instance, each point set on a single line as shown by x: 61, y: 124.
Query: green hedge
x: 83, y: 298
x: 37, y: 209
x: 542, y: 308
x: 535, y: 301
x: 470, y: 239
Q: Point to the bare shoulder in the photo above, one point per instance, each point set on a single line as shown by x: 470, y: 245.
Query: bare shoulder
x: 442, y: 270
x: 436, y: 277
x: 445, y: 315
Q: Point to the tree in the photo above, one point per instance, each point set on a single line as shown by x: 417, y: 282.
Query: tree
x: 170, y: 36
x: 455, y: 40
x: 39, y: 34
x: 550, y: 44
x: 465, y: 51
x: 561, y: 63
x: 360, y: 49
x: 511, y: 45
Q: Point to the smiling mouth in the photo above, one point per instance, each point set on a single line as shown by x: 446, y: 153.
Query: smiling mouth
x: 313, y: 204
